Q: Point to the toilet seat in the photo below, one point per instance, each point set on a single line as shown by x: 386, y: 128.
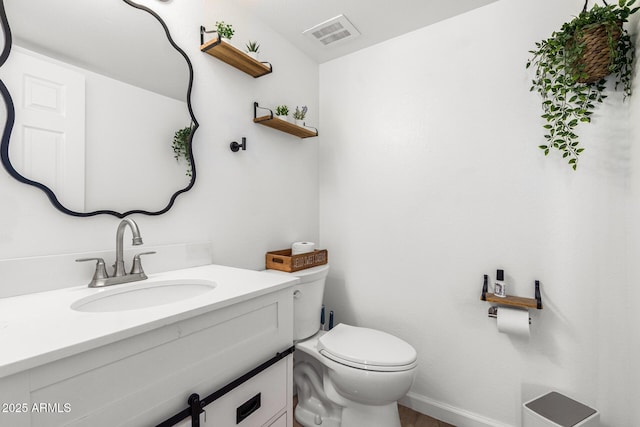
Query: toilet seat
x: 367, y: 349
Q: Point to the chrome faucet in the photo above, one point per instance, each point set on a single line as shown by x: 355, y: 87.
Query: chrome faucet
x: 118, y: 269
x: 101, y: 278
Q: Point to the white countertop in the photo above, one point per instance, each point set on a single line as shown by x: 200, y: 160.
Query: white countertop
x: 40, y: 328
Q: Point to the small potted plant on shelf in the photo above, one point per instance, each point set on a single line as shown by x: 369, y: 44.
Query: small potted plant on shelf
x: 570, y: 70
x: 253, y: 48
x: 282, y: 112
x: 180, y: 146
x: 225, y: 31
x: 299, y: 115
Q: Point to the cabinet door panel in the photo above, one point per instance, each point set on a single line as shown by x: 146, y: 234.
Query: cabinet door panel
x: 270, y: 385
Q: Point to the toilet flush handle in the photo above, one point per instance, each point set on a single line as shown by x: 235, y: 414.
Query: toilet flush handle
x: 296, y: 293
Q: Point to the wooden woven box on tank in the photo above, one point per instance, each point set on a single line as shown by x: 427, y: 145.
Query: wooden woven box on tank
x: 284, y: 261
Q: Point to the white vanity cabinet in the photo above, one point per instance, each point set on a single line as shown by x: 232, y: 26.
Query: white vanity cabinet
x: 147, y: 378
x: 263, y: 401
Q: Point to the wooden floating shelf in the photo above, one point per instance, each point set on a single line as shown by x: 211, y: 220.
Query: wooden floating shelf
x: 281, y: 124
x: 285, y: 126
x: 512, y: 301
x: 225, y: 52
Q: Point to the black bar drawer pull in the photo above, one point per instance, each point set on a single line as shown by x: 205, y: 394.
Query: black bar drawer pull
x: 247, y: 408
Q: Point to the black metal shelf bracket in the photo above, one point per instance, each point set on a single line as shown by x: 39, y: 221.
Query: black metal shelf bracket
x: 485, y: 288
x: 255, y: 110
x: 204, y: 31
x: 538, y: 296
x: 269, y: 64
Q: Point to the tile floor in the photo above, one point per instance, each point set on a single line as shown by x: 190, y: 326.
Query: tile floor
x: 408, y: 418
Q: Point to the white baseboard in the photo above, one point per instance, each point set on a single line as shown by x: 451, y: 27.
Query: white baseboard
x: 447, y: 413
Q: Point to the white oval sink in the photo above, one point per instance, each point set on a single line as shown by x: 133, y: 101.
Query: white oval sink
x: 144, y: 295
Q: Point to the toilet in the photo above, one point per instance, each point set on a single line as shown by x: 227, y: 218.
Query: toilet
x: 348, y: 376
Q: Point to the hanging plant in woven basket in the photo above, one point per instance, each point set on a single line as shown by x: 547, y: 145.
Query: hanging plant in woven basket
x: 571, y: 69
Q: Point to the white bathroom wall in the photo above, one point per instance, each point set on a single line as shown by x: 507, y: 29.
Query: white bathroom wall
x: 431, y: 177
x: 244, y: 203
x: 633, y: 237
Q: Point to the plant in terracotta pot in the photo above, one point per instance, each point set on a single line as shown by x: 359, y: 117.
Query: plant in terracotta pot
x: 571, y: 68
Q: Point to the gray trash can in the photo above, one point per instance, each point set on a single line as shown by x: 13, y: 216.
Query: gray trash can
x: 556, y: 410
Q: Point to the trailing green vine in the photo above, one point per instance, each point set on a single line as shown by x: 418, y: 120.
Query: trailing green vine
x: 180, y: 146
x: 560, y: 74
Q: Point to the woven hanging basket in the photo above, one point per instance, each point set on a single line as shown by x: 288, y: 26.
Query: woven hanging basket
x: 596, y: 55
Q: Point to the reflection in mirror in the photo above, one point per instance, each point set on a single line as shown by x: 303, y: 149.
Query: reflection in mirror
x: 99, y: 93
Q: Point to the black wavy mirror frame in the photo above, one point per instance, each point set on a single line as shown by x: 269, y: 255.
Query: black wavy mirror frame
x: 10, y: 121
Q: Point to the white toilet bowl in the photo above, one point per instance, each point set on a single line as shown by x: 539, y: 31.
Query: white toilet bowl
x: 348, y: 376
x: 366, y: 390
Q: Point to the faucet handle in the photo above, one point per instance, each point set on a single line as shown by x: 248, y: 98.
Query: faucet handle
x: 101, y: 271
x: 136, y: 268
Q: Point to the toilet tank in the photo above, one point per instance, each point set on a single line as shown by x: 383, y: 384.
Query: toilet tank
x: 307, y: 300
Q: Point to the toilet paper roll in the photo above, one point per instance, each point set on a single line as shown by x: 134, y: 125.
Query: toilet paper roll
x: 298, y: 248
x: 513, y: 321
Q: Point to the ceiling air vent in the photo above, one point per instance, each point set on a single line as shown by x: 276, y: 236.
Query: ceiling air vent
x: 333, y: 30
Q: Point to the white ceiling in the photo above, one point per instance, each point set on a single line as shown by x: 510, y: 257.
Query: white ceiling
x: 114, y: 39
x: 377, y: 20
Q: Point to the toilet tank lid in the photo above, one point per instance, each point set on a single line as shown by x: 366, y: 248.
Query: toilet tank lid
x: 308, y: 274
x: 368, y: 347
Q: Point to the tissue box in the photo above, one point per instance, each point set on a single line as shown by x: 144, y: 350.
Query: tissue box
x: 283, y: 260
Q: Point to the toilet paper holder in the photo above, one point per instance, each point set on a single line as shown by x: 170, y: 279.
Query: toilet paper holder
x: 493, y: 312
